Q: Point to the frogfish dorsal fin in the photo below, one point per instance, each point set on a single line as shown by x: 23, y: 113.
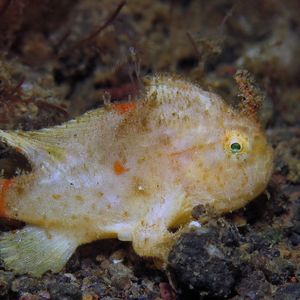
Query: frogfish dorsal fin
x: 51, y: 144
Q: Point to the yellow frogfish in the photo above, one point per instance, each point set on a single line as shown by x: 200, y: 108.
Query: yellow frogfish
x: 130, y: 171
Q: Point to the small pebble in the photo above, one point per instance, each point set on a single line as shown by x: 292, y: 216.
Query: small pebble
x: 105, y: 264
x: 44, y: 295
x: 28, y: 296
x: 90, y: 297
x: 194, y: 224
x: 166, y: 291
x: 121, y: 282
x: 100, y: 258
x: 70, y: 276
x: 118, y: 255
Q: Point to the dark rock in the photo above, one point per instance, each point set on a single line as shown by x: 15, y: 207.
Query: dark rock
x: 293, y: 231
x: 254, y: 286
x: 93, y: 284
x: 294, y: 239
x: 5, y: 280
x: 64, y: 291
x: 290, y: 291
x: 231, y: 237
x: 141, y: 298
x: 201, y: 262
x: 296, y: 226
x: 278, y: 270
x: 264, y: 242
x: 3, y: 286
x: 24, y: 284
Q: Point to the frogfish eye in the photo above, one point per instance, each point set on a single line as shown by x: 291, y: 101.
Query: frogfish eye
x: 236, y: 142
x: 235, y: 147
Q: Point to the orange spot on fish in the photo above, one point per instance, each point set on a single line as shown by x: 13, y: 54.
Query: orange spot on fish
x: 119, y: 168
x: 5, y: 186
x: 123, y: 108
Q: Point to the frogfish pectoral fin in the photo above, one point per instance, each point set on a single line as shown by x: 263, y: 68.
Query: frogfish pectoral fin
x: 36, y: 250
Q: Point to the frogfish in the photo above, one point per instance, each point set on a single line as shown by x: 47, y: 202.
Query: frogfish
x: 130, y: 170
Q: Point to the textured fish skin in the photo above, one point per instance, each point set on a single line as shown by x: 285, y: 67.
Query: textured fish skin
x: 134, y: 170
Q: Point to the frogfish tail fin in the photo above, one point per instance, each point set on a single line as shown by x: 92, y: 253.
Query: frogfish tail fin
x: 35, y: 250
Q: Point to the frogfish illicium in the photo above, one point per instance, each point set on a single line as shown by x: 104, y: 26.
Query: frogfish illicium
x: 131, y: 171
